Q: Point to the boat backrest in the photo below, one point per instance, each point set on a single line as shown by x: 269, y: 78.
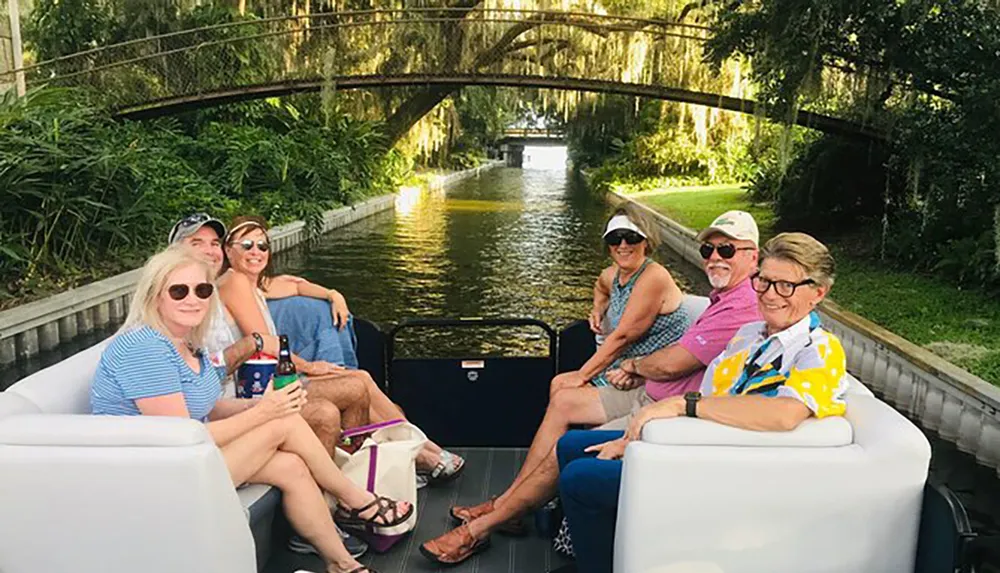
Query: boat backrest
x: 695, y: 305
x: 63, y: 388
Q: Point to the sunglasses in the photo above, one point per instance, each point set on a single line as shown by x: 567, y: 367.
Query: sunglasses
x: 181, y: 291
x: 785, y: 289
x: 615, y: 238
x: 726, y: 250
x: 247, y: 244
x: 192, y: 220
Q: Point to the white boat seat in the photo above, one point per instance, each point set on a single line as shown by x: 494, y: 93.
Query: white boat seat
x: 113, y: 490
x: 839, y: 495
x: 258, y: 501
x: 828, y: 433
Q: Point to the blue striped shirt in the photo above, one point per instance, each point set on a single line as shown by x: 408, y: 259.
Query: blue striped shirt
x: 143, y: 363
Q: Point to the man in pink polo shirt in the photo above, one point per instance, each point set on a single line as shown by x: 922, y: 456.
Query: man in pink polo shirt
x: 729, y: 247
x: 729, y: 251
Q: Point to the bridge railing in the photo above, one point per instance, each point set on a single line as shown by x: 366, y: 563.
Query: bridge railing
x: 533, y: 133
x: 384, y: 42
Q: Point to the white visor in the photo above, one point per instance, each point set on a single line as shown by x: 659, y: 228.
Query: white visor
x: 622, y: 222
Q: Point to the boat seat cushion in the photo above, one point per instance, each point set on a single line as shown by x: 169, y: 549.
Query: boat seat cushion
x: 695, y: 305
x: 63, y: 388
x: 813, y: 433
x: 258, y: 500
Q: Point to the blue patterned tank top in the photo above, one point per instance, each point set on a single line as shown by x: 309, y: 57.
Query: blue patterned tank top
x: 666, y: 329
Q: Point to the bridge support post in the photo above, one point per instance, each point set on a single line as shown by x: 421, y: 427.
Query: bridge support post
x: 16, y: 47
x: 515, y: 155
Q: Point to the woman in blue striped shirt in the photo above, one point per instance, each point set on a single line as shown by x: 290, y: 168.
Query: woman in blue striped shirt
x: 153, y: 366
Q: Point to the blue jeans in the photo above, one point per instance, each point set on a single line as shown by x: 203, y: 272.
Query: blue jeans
x: 308, y: 322
x: 588, y: 488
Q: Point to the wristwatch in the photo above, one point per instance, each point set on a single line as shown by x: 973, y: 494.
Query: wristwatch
x: 258, y: 341
x: 691, y: 403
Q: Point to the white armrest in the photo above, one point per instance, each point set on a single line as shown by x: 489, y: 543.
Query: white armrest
x: 108, y: 431
x: 825, y: 433
x: 12, y: 404
x: 94, y: 494
x: 751, y: 509
x: 713, y: 498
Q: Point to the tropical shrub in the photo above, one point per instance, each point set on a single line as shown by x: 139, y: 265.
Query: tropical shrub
x: 82, y: 195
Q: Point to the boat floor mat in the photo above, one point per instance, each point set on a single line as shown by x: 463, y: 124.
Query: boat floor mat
x: 487, y: 473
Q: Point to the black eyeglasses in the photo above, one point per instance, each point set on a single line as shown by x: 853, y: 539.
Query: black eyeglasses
x: 785, y: 289
x: 616, y: 237
x: 247, y: 244
x: 181, y: 291
x: 726, y: 250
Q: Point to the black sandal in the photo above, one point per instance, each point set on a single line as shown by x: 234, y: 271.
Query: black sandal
x: 351, y: 518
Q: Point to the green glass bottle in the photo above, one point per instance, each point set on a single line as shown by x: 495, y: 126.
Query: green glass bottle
x: 285, y: 373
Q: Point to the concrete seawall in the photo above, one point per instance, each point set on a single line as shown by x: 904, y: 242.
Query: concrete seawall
x: 43, y: 325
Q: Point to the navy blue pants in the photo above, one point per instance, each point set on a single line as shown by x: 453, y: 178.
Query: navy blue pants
x: 588, y: 488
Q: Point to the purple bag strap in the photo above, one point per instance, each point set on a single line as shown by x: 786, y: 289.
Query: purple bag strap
x: 372, y: 466
x: 371, y: 427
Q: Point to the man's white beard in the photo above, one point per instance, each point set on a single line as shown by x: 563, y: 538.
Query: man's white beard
x: 720, y: 280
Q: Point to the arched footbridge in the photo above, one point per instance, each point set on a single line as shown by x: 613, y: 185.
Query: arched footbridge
x: 430, y: 50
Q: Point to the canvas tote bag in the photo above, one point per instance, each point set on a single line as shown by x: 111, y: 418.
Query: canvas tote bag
x: 385, y: 464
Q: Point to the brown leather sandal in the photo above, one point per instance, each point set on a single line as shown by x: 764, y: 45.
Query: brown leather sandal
x: 454, y: 547
x: 351, y: 518
x: 465, y: 513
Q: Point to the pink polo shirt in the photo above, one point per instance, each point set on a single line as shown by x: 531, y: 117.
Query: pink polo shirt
x: 727, y: 311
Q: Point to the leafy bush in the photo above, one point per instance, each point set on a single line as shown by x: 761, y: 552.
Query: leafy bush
x: 927, y: 72
x: 81, y: 194
x: 831, y: 185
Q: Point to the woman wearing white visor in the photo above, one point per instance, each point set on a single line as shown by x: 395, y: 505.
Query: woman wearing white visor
x: 637, y: 305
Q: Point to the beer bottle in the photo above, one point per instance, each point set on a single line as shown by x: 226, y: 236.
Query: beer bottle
x: 285, y: 373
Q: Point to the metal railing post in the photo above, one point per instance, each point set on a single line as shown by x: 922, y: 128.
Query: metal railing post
x: 15, y: 41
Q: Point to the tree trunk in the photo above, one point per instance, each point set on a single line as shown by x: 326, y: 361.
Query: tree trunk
x: 421, y: 103
x: 413, y: 109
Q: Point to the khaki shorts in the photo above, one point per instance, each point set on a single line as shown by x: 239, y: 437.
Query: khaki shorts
x: 619, y: 405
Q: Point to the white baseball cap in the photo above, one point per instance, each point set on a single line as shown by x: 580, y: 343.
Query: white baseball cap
x: 622, y: 222
x: 738, y: 225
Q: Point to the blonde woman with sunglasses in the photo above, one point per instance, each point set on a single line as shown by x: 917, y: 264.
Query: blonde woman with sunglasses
x: 154, y: 366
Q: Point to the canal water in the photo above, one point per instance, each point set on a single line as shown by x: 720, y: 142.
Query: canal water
x: 510, y: 243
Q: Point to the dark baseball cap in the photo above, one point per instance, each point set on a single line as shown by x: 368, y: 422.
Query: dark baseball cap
x: 189, y: 225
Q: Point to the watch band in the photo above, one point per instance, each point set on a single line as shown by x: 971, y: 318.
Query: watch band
x: 691, y: 404
x: 258, y: 341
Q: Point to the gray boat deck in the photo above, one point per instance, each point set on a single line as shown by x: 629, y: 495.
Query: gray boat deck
x: 488, y: 472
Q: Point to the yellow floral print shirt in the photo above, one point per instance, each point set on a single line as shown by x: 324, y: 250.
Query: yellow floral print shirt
x: 804, y: 362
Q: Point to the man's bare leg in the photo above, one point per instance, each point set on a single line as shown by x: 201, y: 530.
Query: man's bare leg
x: 536, y: 488
x: 323, y: 417
x: 347, y: 394
x: 569, y: 406
x: 382, y: 409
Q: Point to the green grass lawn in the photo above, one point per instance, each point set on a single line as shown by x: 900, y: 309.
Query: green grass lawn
x: 960, y: 325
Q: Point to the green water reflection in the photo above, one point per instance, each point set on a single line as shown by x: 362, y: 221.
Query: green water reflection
x: 511, y: 243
